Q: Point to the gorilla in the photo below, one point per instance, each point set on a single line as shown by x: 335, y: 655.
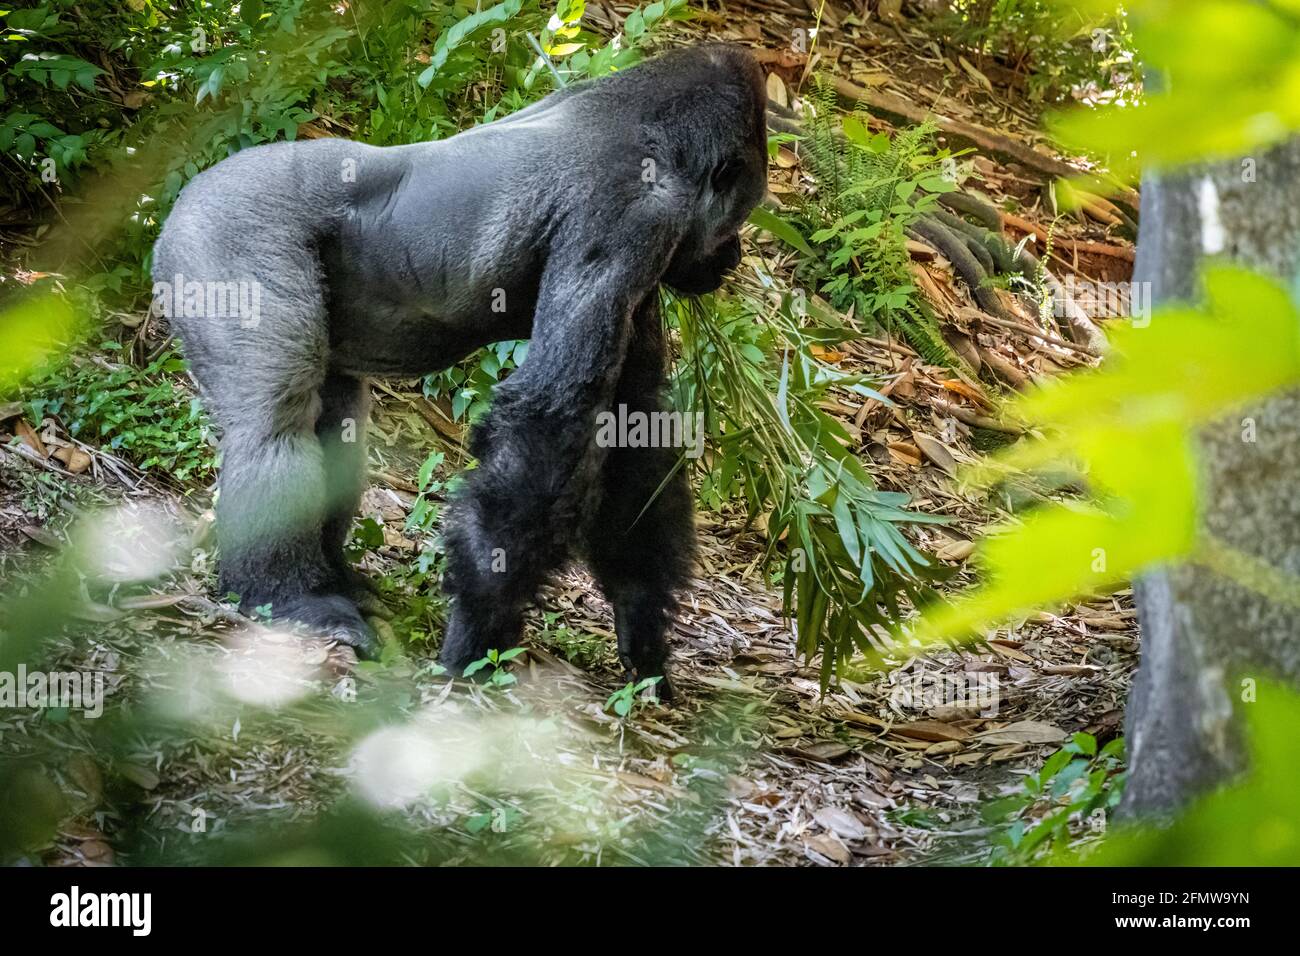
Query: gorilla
x: 350, y: 261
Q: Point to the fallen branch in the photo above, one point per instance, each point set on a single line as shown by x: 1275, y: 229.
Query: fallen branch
x: 974, y: 419
x: 893, y: 105
x: 1015, y: 326
x: 964, y: 261
x: 1076, y: 245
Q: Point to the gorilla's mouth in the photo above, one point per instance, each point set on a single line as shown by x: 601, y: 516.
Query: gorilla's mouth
x: 706, y: 274
x: 728, y: 253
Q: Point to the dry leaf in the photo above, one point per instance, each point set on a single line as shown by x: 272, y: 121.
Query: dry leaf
x: 72, y: 458
x: 85, y: 774
x: 830, y: 356
x: 931, y: 730
x: 942, y: 748
x: 141, y: 776
x: 1010, y: 651
x: 42, y: 537
x: 96, y: 852
x: 966, y: 391
x: 936, y: 451
x: 955, y: 551
x: 905, y: 452
x: 975, y: 74
x: 920, y: 251
x: 395, y: 539
x: 776, y: 90
x: 1024, y: 732
x: 32, y: 440
x: 821, y: 750
x: 829, y: 847
x: 842, y: 823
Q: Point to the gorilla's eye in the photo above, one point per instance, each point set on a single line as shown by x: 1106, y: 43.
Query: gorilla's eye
x: 725, y: 174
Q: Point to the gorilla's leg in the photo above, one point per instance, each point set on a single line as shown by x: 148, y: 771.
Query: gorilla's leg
x: 641, y: 542
x: 265, y: 390
x: 270, y: 515
x: 341, y: 429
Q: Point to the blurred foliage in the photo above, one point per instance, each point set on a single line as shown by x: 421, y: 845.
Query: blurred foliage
x: 416, y: 770
x: 1061, y: 814
x: 34, y: 331
x: 1225, y: 80
x: 1250, y: 823
x: 1129, y: 426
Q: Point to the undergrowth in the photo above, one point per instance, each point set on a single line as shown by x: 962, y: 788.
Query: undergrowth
x: 142, y: 413
x: 871, y: 188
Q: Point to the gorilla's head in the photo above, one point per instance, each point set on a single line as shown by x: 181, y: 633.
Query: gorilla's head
x: 706, y: 109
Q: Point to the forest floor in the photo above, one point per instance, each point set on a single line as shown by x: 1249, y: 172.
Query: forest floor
x: 755, y: 766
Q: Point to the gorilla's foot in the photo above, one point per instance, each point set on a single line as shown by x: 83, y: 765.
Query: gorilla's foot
x: 332, y: 616
x: 363, y: 592
x: 664, y: 687
x: 470, y: 637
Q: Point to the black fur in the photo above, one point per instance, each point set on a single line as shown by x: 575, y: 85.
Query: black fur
x: 558, y: 224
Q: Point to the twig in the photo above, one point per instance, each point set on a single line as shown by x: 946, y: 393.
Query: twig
x: 35, y: 459
x: 1030, y: 330
x: 974, y: 419
x: 1077, y: 245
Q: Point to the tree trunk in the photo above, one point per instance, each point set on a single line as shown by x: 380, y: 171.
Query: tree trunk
x: 1204, y: 638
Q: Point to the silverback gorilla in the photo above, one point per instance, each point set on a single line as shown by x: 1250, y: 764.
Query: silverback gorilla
x: 556, y: 224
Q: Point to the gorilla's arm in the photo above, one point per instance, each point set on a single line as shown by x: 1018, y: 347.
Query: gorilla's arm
x: 520, y: 511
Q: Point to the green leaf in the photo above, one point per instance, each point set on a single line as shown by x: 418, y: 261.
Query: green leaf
x: 783, y: 230
x: 476, y: 666
x: 856, y: 132
x: 1085, y: 744
x: 431, y: 462
x: 452, y: 38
